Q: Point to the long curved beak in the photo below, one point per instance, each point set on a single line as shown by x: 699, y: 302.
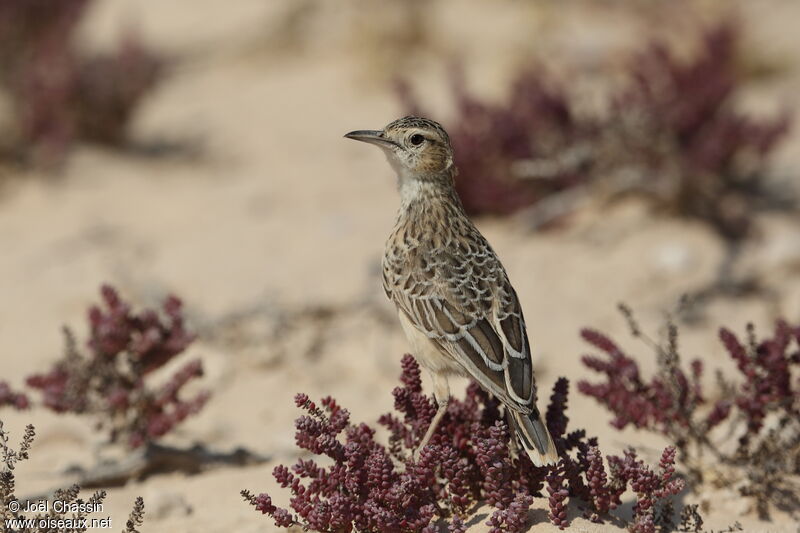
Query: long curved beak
x: 370, y: 136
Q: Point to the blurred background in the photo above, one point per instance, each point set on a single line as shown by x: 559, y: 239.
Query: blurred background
x: 633, y: 151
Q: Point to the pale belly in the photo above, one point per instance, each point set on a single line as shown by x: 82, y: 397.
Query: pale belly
x: 427, y: 353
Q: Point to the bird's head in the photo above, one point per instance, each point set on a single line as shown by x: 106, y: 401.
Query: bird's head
x: 417, y: 148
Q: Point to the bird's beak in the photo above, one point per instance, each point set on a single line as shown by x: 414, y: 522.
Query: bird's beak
x: 371, y: 136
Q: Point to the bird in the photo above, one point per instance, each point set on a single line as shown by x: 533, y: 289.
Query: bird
x: 456, y: 305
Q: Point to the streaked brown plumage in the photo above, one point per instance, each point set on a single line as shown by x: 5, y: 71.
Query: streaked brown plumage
x: 454, y: 300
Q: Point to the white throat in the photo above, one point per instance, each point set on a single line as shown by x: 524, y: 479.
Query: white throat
x: 411, y: 185
x: 408, y: 186
x: 410, y: 189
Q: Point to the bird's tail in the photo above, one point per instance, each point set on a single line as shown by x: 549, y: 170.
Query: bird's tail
x: 535, y: 438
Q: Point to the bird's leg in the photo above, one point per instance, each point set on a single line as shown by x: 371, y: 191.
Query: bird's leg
x: 513, y: 447
x: 441, y: 392
x: 432, y: 428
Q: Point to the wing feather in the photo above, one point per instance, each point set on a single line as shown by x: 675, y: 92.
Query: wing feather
x: 467, y: 306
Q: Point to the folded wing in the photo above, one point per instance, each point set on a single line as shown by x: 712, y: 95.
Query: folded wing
x: 466, y: 305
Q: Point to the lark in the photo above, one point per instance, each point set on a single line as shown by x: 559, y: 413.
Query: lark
x: 456, y: 304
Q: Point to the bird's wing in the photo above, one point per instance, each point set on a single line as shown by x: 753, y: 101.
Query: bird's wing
x: 465, y: 303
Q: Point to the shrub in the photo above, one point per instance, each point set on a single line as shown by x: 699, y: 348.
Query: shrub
x: 59, y: 95
x: 761, y: 412
x: 17, y: 400
x: 671, y: 133
x: 371, y: 486
x: 55, y: 520
x: 111, y: 382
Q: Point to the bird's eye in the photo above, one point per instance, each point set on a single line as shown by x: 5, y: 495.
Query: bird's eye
x: 416, y: 139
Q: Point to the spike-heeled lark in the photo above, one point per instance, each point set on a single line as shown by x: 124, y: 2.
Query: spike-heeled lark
x: 455, y: 302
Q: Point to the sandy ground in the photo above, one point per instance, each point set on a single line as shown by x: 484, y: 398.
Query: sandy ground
x: 270, y: 209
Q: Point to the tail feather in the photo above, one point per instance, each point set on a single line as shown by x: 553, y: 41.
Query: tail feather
x: 535, y: 438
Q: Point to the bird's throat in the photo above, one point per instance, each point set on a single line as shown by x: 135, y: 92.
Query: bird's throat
x: 418, y: 191
x: 429, y: 202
